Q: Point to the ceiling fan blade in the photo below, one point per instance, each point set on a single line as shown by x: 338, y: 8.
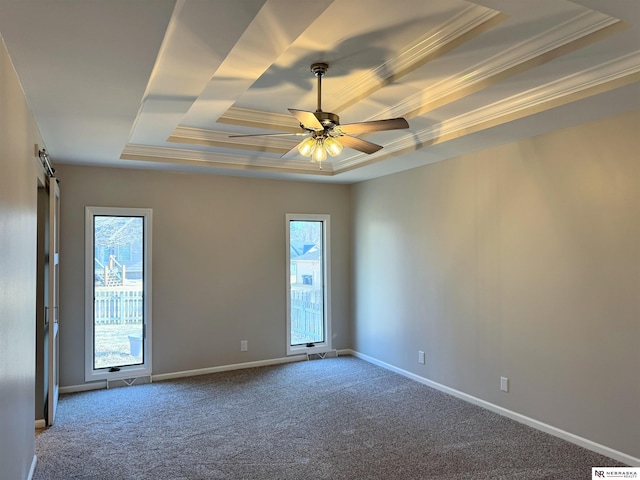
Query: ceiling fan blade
x: 374, y: 126
x: 270, y: 135
x: 308, y: 119
x: 291, y: 153
x: 359, y: 144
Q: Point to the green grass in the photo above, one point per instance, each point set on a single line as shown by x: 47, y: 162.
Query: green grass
x: 112, y: 347
x: 112, y: 344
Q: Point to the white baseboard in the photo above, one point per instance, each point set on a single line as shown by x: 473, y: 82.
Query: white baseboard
x: 102, y: 384
x: 85, y: 387
x: 33, y: 468
x: 226, y: 368
x: 41, y: 423
x: 538, y: 425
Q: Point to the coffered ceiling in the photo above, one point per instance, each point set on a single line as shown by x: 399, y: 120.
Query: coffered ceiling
x: 162, y: 84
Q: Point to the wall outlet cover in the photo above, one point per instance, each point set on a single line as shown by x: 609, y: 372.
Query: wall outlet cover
x: 504, y: 384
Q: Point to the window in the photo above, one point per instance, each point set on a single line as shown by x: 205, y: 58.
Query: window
x: 308, y: 305
x: 117, y: 293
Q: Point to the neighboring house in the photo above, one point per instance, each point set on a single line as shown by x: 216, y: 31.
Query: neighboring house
x: 119, y: 251
x: 305, y: 264
x: 307, y: 267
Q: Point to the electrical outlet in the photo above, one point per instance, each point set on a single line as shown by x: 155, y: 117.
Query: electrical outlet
x: 421, y: 356
x: 504, y: 384
x: 244, y: 346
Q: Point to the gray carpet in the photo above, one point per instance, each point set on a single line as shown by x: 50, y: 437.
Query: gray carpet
x: 339, y: 418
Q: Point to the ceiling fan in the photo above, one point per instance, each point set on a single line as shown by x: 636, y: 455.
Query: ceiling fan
x: 324, y: 132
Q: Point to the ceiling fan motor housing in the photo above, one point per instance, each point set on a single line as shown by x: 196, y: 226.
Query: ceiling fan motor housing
x: 327, y: 119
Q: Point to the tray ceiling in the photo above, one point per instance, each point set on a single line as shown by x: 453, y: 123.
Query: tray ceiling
x: 162, y: 84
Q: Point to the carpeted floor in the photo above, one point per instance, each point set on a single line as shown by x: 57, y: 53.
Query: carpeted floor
x: 339, y: 418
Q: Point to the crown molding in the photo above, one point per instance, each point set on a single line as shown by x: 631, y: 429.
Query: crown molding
x: 553, y: 94
x: 591, y: 81
x: 461, y: 28
x: 564, y: 38
x: 259, y: 119
x: 212, y: 138
x: 180, y: 156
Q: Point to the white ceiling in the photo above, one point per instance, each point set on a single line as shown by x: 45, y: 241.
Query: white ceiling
x: 161, y: 84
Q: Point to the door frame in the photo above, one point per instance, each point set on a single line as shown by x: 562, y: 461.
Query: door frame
x: 53, y: 310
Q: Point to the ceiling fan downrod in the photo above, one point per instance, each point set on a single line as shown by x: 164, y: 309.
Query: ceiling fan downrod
x: 327, y: 120
x: 319, y: 69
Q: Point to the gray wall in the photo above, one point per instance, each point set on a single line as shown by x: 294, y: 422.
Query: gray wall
x: 520, y: 261
x: 18, y: 213
x: 218, y: 262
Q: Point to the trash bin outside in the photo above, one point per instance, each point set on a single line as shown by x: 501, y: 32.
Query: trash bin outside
x: 135, y: 345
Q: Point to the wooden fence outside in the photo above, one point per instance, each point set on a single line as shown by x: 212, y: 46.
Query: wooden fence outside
x: 123, y: 305
x: 118, y: 305
x: 307, y: 322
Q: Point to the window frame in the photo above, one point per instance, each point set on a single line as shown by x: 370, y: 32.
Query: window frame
x: 326, y: 277
x: 129, y: 371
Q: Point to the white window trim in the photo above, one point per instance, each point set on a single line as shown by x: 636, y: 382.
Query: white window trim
x: 326, y: 345
x: 140, y: 370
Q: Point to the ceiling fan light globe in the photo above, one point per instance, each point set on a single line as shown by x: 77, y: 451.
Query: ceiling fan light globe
x: 307, y: 147
x: 319, y: 153
x: 333, y: 146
